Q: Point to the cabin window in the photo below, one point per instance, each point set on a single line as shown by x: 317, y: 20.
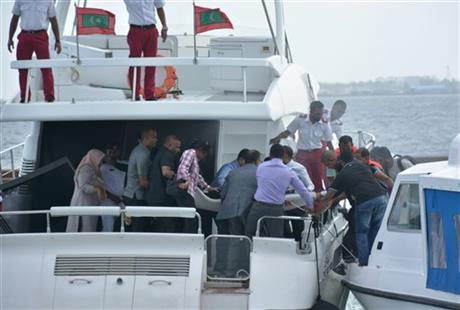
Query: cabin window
x: 405, y: 213
x: 457, y: 232
x: 438, y: 246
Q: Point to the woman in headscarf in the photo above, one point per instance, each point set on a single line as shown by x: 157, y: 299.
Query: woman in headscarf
x: 89, y: 190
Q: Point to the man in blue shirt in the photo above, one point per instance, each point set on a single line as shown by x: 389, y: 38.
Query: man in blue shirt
x: 219, y: 180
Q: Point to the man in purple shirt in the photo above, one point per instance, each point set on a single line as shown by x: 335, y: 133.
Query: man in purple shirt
x: 273, y: 179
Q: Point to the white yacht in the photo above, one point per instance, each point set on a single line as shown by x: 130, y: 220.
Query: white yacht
x: 239, y: 93
x: 415, y: 259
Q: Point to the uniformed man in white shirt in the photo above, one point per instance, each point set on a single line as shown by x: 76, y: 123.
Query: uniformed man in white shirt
x: 312, y: 131
x: 35, y: 17
x: 333, y: 117
x: 143, y: 39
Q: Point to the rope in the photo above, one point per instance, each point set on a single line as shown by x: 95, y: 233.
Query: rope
x: 316, y: 227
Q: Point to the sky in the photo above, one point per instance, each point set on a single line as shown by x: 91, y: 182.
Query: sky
x: 336, y: 41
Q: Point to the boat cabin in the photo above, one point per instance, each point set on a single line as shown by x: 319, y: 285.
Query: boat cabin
x: 415, y: 259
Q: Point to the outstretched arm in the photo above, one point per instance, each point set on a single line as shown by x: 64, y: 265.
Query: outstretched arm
x: 282, y: 135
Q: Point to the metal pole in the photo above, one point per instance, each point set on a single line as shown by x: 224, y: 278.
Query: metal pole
x: 26, y: 99
x: 134, y: 83
x: 48, y: 225
x: 77, y: 40
x: 122, y: 218
x: 75, y: 20
x: 270, y: 27
x: 195, y: 52
x: 12, y: 162
x: 245, y: 86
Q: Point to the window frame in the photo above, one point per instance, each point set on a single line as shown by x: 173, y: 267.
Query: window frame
x: 391, y: 227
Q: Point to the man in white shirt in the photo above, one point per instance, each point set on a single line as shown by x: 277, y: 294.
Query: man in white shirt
x: 299, y: 169
x: 35, y: 18
x: 143, y: 39
x: 312, y: 131
x: 333, y: 117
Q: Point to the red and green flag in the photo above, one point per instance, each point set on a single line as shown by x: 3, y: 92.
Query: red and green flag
x: 207, y: 19
x: 95, y: 21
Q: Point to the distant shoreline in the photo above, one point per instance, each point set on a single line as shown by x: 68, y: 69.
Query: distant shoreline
x: 387, y: 94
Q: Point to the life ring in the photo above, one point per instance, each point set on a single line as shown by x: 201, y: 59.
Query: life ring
x: 169, y: 83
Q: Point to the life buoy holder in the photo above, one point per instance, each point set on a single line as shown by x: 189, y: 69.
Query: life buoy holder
x: 169, y: 83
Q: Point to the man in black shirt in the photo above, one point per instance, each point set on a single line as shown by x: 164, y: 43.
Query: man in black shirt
x: 356, y: 180
x: 162, y: 170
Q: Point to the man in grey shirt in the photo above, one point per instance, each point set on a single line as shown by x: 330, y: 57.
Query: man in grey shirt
x: 136, y: 178
x: 237, y: 197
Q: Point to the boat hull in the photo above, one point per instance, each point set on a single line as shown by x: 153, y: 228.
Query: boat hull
x: 377, y: 299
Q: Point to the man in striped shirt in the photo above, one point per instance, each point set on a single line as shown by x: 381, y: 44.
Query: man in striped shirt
x: 189, y: 178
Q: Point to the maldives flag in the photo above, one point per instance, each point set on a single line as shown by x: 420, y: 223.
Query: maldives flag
x: 95, y: 21
x: 209, y: 19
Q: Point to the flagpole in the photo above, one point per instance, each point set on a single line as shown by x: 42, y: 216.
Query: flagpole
x: 195, y: 61
x: 77, y: 41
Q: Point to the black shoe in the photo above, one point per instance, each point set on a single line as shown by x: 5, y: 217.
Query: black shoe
x: 137, y: 99
x: 151, y: 99
x: 49, y: 99
x: 22, y: 100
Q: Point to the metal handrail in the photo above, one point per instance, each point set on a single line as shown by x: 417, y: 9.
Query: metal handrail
x: 46, y: 212
x: 362, y: 141
x: 9, y: 150
x: 242, y: 63
x: 145, y: 62
x: 241, y: 237
x: 12, y: 148
x: 60, y: 211
x: 282, y: 217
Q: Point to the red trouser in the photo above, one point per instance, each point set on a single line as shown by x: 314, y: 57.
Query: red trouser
x: 28, y: 43
x: 312, y: 161
x: 143, y: 41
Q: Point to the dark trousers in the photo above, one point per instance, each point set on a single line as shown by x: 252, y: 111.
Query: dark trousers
x: 166, y: 224
x: 349, y: 240
x: 139, y: 224
x: 297, y: 226
x: 232, y: 254
x: 184, y: 199
x: 269, y: 227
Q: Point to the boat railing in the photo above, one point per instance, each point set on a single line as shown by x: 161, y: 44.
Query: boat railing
x: 8, y: 156
x: 365, y: 139
x: 127, y: 212
x: 272, y: 63
x: 282, y: 218
x: 239, y: 248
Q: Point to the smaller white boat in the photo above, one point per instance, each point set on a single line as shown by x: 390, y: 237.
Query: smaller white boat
x: 415, y: 259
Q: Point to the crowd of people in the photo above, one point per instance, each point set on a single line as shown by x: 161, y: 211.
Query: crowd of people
x: 248, y: 188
